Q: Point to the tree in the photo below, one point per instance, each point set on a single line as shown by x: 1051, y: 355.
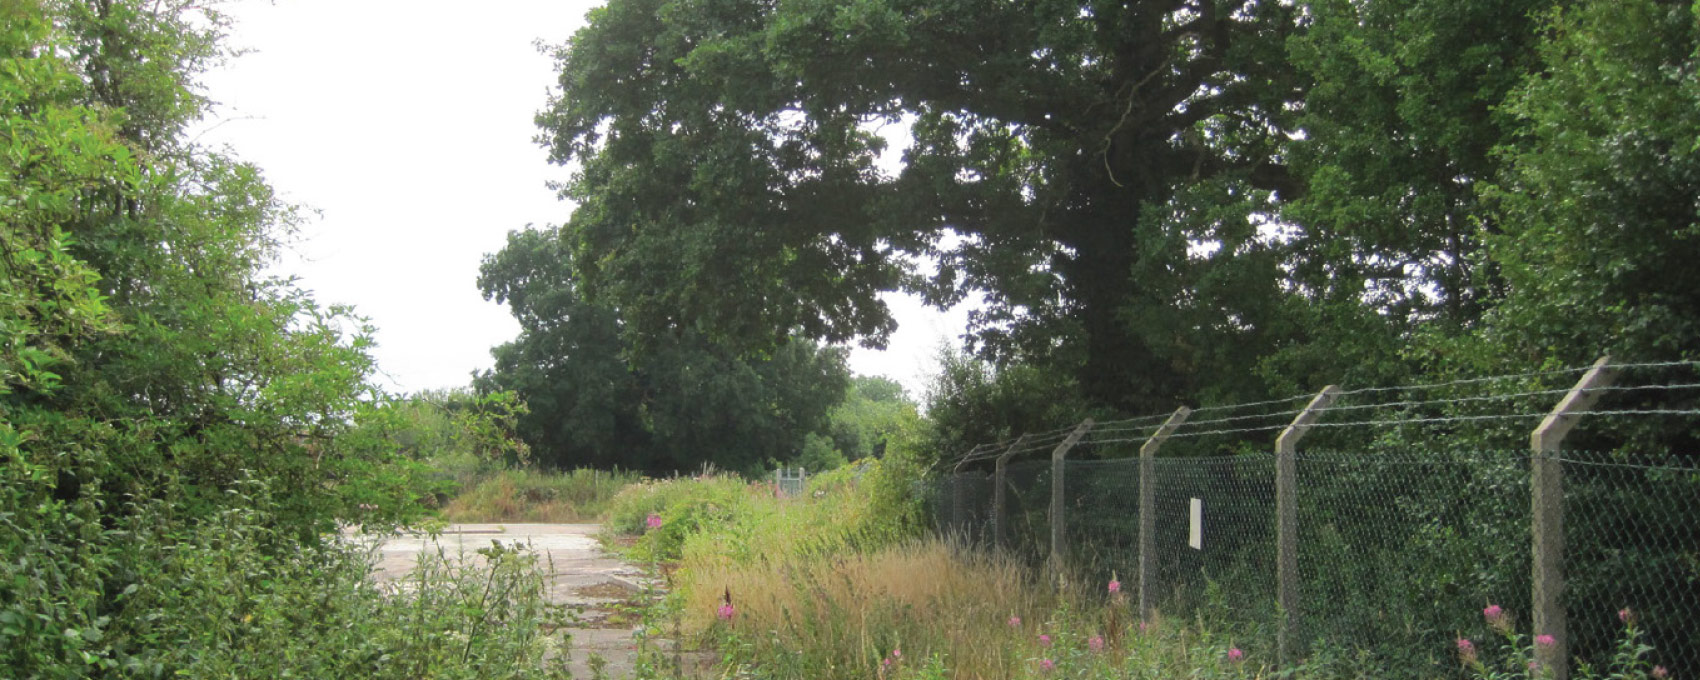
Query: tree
x: 874, y: 410
x: 1400, y: 122
x: 567, y: 362
x: 53, y: 150
x: 156, y: 388
x: 970, y: 402
x: 1400, y: 125
x: 1600, y: 194
x: 728, y: 181
x: 595, y: 401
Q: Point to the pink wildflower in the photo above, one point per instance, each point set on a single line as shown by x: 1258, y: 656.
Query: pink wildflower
x: 654, y: 521
x: 726, y: 611
x: 897, y: 652
x: 1045, y: 640
x: 1496, y: 618
x: 1014, y: 622
x: 1143, y: 626
x: 1545, y: 640
x: 1115, y: 586
x: 1466, y: 651
x: 1235, y: 655
x: 1096, y: 644
x: 1534, y: 665
x: 1660, y: 672
x: 1464, y: 645
x: 1047, y: 665
x: 886, y: 663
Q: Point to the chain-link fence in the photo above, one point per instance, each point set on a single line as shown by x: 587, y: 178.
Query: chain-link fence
x: 1397, y: 555
x: 790, y: 482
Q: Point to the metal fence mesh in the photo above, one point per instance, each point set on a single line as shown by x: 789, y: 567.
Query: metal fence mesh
x: 1397, y: 553
x: 1400, y: 552
x: 1632, y: 540
x: 1228, y: 576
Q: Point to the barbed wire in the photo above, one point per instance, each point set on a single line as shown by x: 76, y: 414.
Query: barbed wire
x: 1113, y: 424
x: 988, y: 452
x: 1514, y: 376
x: 1225, y: 407
x: 1442, y: 419
x: 1507, y: 396
x: 1689, y: 363
x: 1116, y: 431
x: 1685, y: 469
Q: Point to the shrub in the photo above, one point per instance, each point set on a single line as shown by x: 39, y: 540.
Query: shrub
x: 538, y: 496
x: 237, y: 595
x: 683, y: 506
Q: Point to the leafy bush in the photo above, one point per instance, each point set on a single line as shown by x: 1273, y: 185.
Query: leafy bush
x: 1505, y: 654
x: 238, y: 596
x: 538, y: 496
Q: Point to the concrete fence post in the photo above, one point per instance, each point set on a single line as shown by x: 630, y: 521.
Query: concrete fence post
x: 1287, y: 518
x: 959, y: 491
x: 1546, y: 521
x: 1059, y: 518
x: 1148, y: 511
x: 1000, y: 532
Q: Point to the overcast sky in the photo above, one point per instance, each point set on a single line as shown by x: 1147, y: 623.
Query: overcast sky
x: 408, y: 126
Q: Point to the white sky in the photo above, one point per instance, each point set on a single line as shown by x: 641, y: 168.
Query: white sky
x: 408, y: 125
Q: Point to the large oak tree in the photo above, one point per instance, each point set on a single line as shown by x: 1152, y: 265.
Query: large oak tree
x: 1069, y: 160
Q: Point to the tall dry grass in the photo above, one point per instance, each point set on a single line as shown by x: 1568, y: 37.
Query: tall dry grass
x: 953, y: 613
x: 847, y: 612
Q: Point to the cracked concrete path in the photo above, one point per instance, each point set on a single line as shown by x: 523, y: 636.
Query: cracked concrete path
x: 580, y: 576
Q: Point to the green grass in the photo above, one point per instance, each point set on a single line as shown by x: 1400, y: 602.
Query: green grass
x: 538, y: 496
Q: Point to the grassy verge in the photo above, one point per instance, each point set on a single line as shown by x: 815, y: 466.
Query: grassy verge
x: 537, y: 496
x: 843, y: 584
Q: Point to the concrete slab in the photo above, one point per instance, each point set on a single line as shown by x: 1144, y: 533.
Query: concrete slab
x: 580, y: 575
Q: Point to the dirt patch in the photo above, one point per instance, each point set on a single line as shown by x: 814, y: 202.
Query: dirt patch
x: 607, y: 590
x: 607, y: 618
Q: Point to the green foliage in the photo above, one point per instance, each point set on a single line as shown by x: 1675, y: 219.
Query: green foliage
x: 236, y: 595
x: 970, y: 402
x: 683, y: 506
x: 202, y: 371
x: 1401, y: 119
x: 538, y: 496
x: 597, y: 400
x: 875, y: 410
x: 52, y: 150
x: 1599, y: 198
x: 728, y: 182
x: 714, y: 517
x: 462, y: 435
x: 819, y: 454
x: 172, y: 421
x: 1505, y: 654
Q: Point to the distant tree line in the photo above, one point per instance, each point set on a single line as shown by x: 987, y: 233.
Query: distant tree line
x: 601, y: 396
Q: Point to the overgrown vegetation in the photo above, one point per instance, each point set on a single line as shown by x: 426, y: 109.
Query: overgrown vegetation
x: 537, y: 496
x: 181, y: 436
x: 838, y: 585
x: 1159, y: 202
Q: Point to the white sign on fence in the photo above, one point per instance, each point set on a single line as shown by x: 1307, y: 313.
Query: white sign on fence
x: 1196, y: 537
